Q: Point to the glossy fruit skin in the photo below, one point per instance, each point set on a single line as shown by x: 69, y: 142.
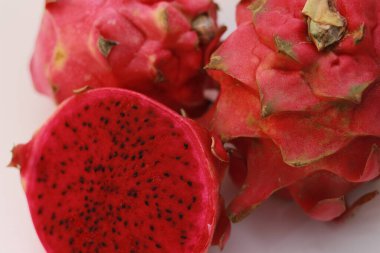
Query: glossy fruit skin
x: 157, y: 48
x: 312, y: 116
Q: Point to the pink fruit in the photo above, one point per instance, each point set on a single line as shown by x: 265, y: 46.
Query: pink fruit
x: 113, y: 171
x: 154, y: 47
x: 301, y: 79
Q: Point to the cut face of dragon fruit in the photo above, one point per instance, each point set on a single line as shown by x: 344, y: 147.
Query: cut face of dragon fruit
x: 113, y: 171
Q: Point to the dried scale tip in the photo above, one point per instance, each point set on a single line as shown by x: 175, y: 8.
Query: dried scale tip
x: 81, y: 89
x: 105, y: 46
x: 325, y: 24
x: 205, y: 27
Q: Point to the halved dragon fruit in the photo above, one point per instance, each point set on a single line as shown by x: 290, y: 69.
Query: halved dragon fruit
x: 113, y: 171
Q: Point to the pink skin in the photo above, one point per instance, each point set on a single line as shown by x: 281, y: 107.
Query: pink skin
x: 315, y: 111
x: 146, y: 46
x: 113, y: 171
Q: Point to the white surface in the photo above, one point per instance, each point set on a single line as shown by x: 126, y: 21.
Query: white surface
x: 276, y: 227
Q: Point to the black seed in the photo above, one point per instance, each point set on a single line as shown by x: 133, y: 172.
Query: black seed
x: 167, y: 174
x: 71, y: 241
x: 189, y: 183
x: 132, y: 193
x: 158, y: 246
x: 151, y: 227
x: 186, y: 146
x: 40, y: 211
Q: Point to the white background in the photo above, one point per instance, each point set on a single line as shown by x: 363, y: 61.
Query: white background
x: 275, y: 227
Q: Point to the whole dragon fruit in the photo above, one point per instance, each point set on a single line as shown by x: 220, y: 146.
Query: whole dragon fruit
x: 113, y: 171
x: 154, y: 47
x: 300, y: 88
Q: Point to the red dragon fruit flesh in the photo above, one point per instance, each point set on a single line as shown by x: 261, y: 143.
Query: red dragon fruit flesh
x: 113, y: 171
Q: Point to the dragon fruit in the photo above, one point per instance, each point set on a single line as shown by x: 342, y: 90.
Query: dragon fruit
x: 157, y: 48
x: 300, y: 85
x: 113, y: 171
